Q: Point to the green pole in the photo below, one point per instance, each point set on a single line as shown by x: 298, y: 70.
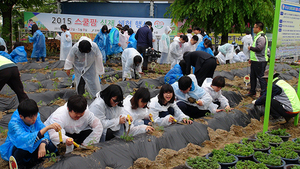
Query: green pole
x: 298, y: 93
x: 271, y: 67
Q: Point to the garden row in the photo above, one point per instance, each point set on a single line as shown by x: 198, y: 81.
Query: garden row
x: 268, y: 150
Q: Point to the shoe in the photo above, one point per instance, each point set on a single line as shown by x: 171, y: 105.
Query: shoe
x: 279, y: 120
x: 250, y: 94
x: 13, y: 163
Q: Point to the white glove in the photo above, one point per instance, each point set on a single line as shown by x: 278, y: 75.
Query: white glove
x: 253, y: 102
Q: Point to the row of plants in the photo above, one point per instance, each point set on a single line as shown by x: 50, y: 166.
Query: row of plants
x: 260, y: 149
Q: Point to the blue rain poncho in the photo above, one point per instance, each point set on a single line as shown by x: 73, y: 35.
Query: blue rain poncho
x: 65, y: 44
x: 201, y: 47
x: 132, y: 41
x: 101, y: 41
x: 39, y: 44
x: 173, y: 75
x: 3, y: 53
x: 19, y: 54
x: 22, y: 136
x: 113, y: 40
x: 206, y: 37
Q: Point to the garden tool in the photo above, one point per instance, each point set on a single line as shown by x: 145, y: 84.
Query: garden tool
x: 80, y: 146
x: 129, y: 124
x: 192, y: 100
x: 61, y: 147
x: 175, y: 121
x: 152, y: 121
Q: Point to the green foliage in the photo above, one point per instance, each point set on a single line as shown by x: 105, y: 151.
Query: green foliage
x: 280, y: 132
x: 269, y: 159
x: 52, y: 101
x: 297, y: 140
x: 92, y: 141
x: 296, y: 167
x: 249, y: 164
x: 54, y: 73
x: 222, y: 156
x: 55, y: 84
x: 51, y: 155
x: 220, y: 16
x: 202, y: 163
x: 209, y: 114
x: 40, y: 103
x: 239, y: 149
x: 3, y: 132
x: 87, y: 95
x: 258, y: 144
x: 269, y: 138
x: 159, y: 128
x: 127, y: 137
x: 117, y: 76
x: 284, y: 152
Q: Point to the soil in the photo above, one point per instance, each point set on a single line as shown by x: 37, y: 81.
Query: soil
x: 84, y: 152
x: 168, y: 158
x: 61, y: 149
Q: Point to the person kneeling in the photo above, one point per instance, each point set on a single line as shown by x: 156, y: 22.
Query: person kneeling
x: 27, y: 138
x: 191, y: 98
x: 77, y: 122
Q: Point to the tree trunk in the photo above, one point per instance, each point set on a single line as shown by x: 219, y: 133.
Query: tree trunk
x: 7, y: 26
x: 224, y: 38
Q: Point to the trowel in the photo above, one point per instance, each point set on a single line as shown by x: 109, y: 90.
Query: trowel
x: 80, y: 146
x: 152, y: 121
x: 129, y: 123
x: 61, y: 147
x: 192, y: 100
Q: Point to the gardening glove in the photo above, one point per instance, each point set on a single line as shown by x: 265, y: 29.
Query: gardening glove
x: 253, y: 102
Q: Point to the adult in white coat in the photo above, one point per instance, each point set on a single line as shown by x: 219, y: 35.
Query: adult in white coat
x: 164, y: 45
x: 176, y: 50
x: 189, y: 34
x: 247, y: 41
x: 65, y: 42
x: 163, y: 108
x: 77, y: 122
x: 86, y: 59
x: 154, y: 40
x: 190, y: 46
x: 131, y: 60
x: 108, y: 107
x: 136, y: 107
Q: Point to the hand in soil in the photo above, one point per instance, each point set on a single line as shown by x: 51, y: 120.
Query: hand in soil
x: 149, y: 129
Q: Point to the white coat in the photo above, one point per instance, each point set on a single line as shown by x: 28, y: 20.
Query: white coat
x: 221, y: 58
x: 154, y: 44
x: 176, y: 52
x: 242, y: 56
x: 155, y: 108
x: 89, y: 66
x: 247, y: 41
x: 137, y: 126
x: 164, y: 43
x: 188, y: 47
x: 123, y: 39
x: 65, y: 44
x: 189, y: 35
x: 127, y: 62
x: 216, y: 96
x: 68, y: 125
x: 200, y: 38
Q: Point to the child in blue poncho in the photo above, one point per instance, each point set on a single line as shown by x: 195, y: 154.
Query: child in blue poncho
x: 3, y: 53
x: 19, y: 54
x: 27, y: 138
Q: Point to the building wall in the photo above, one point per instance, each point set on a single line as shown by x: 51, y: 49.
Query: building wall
x: 114, y: 9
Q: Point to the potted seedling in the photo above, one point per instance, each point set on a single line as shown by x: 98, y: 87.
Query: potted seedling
x: 288, y: 155
x: 243, y: 152
x: 281, y: 133
x: 292, y: 166
x: 272, y: 139
x: 247, y: 164
x: 296, y: 140
x: 223, y: 158
x: 270, y: 160
x: 201, y: 163
x: 258, y: 145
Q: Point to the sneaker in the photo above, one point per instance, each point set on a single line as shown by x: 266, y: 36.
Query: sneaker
x: 279, y: 120
x: 250, y: 94
x: 13, y: 163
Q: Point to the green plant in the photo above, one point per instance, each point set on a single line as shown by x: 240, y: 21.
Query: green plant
x: 46, y: 67
x: 40, y: 103
x: 280, y: 132
x: 54, y: 73
x: 269, y: 159
x: 269, y: 138
x: 202, y: 163
x: 160, y: 128
x: 152, y: 86
x: 3, y: 131
x: 209, y: 114
x: 51, y: 155
x: 239, y: 149
x: 92, y: 141
x: 284, y: 152
x: 222, y: 156
x: 55, y: 84
x: 127, y: 137
x: 146, y: 84
x: 87, y: 95
x: 40, y: 84
x: 247, y: 164
x: 296, y: 167
x: 117, y: 76
x: 297, y: 140
x: 258, y: 144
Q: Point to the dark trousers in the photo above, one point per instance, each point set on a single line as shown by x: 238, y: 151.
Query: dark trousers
x: 142, y: 51
x: 257, y: 72
x: 24, y: 157
x: 207, y: 70
x: 80, y: 137
x: 81, y: 85
x: 38, y: 59
x: 11, y: 77
x: 191, y: 111
x: 165, y: 113
x: 276, y: 110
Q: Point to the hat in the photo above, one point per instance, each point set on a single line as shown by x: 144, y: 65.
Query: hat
x: 266, y: 74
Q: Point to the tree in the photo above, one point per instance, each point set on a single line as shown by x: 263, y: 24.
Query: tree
x: 6, y: 7
x: 221, y: 16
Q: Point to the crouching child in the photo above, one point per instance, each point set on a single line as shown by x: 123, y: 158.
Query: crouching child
x: 27, y: 138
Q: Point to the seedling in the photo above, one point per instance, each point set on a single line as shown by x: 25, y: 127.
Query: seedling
x: 51, y: 155
x: 208, y: 114
x: 127, y: 137
x: 249, y: 164
x: 3, y: 132
x: 46, y: 67
x: 54, y: 73
x: 87, y: 95
x: 117, y: 76
x: 202, y: 162
x: 92, y: 141
x: 40, y: 103
x: 152, y: 86
x: 146, y: 84
x: 269, y: 159
x: 55, y: 84
x: 280, y: 132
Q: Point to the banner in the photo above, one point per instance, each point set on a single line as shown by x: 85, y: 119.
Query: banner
x: 288, y: 39
x: 86, y: 24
